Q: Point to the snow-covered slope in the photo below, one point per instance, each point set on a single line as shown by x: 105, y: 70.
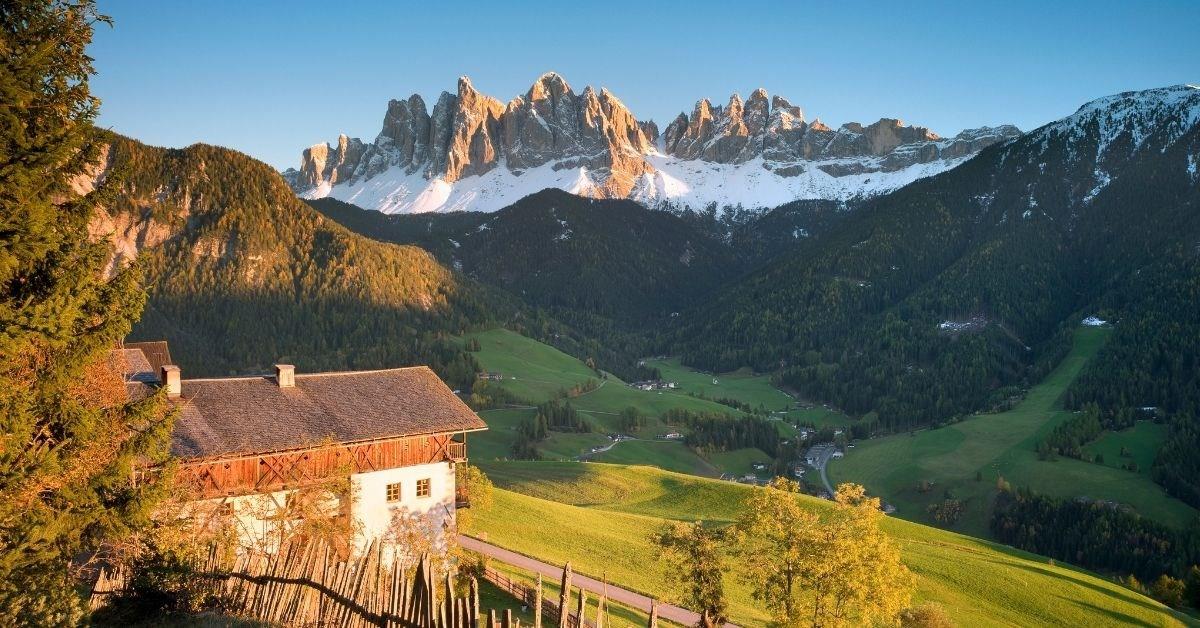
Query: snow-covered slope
x: 1106, y: 134
x: 474, y: 153
x: 674, y: 182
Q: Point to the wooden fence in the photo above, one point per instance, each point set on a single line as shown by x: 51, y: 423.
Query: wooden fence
x: 305, y: 584
x: 532, y: 598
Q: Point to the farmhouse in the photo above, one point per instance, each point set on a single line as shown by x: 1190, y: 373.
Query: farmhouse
x: 653, y: 384
x: 248, y: 446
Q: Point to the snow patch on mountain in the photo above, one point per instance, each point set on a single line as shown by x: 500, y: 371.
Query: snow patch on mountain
x: 395, y: 191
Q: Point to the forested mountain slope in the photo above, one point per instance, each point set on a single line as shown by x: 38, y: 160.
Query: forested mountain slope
x: 934, y: 300
x: 595, y: 275
x: 572, y: 255
x: 242, y: 274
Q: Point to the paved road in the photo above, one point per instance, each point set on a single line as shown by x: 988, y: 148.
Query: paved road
x: 554, y: 572
x: 822, y: 462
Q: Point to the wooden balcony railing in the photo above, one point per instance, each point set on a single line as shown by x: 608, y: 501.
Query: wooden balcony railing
x: 456, y: 451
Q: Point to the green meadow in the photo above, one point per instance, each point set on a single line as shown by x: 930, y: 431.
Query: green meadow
x: 1140, y: 442
x: 746, y: 387
x: 600, y: 516
x: 963, y: 461
x: 536, y: 372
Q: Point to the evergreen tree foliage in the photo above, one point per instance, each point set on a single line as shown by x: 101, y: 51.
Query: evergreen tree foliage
x: 242, y: 274
x: 1097, y: 535
x: 709, y: 432
x: 70, y: 436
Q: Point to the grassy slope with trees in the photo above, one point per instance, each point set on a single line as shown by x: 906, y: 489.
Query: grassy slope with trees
x: 534, y: 373
x: 964, y: 461
x: 753, y: 389
x: 600, y: 518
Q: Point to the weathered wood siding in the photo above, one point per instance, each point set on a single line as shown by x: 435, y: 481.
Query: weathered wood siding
x: 281, y: 470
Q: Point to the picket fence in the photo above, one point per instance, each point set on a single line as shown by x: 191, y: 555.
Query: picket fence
x: 306, y: 584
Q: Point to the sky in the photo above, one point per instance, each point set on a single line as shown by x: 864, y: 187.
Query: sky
x: 271, y: 78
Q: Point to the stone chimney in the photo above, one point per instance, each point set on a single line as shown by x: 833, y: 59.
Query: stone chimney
x: 170, y: 379
x: 285, y: 375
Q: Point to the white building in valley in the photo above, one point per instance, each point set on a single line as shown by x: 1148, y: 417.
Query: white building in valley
x: 377, y: 451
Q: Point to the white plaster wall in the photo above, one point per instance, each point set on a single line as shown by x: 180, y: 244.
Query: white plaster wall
x: 374, y: 513
x: 257, y: 528
x: 253, y: 517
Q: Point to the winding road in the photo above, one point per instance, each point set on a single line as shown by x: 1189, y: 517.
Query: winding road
x: 624, y: 596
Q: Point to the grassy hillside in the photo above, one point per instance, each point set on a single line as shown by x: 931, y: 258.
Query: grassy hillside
x: 1003, y: 445
x: 535, y: 372
x: 599, y: 517
x: 745, y: 386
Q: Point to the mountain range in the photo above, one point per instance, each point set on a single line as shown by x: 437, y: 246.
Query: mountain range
x: 474, y: 153
x: 947, y: 296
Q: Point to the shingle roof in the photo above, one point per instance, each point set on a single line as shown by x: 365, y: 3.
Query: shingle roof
x: 134, y: 365
x: 252, y: 415
x: 156, y: 353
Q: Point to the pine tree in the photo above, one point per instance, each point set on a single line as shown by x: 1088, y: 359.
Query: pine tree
x: 70, y: 436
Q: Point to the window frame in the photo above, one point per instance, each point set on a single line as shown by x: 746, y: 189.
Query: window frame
x: 387, y: 492
x: 425, y: 488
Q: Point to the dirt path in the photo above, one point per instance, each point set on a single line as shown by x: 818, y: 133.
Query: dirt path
x: 554, y: 572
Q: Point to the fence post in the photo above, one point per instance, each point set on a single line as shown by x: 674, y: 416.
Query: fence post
x: 581, y: 616
x: 653, y: 622
x: 564, y: 594
x: 537, y: 603
x: 602, y: 606
x: 474, y: 603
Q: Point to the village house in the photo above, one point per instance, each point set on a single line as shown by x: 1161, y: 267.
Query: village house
x: 653, y: 384
x: 247, y: 445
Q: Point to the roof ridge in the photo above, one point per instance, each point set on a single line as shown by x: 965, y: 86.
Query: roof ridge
x: 365, y: 372
x: 235, y: 378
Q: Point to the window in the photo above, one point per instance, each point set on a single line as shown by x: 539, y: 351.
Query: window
x: 393, y: 492
x: 423, y: 488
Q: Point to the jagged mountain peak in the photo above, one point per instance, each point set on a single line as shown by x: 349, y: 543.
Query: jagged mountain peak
x: 550, y: 84
x: 474, y: 152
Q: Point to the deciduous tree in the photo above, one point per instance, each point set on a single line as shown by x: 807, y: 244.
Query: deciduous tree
x: 693, y: 553
x: 832, y: 570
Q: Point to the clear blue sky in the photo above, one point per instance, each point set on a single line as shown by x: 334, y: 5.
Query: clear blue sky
x: 270, y: 78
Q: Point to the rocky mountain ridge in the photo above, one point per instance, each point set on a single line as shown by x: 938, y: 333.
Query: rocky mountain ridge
x: 472, y: 152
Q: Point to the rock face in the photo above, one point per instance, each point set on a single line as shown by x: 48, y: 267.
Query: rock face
x: 591, y: 144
